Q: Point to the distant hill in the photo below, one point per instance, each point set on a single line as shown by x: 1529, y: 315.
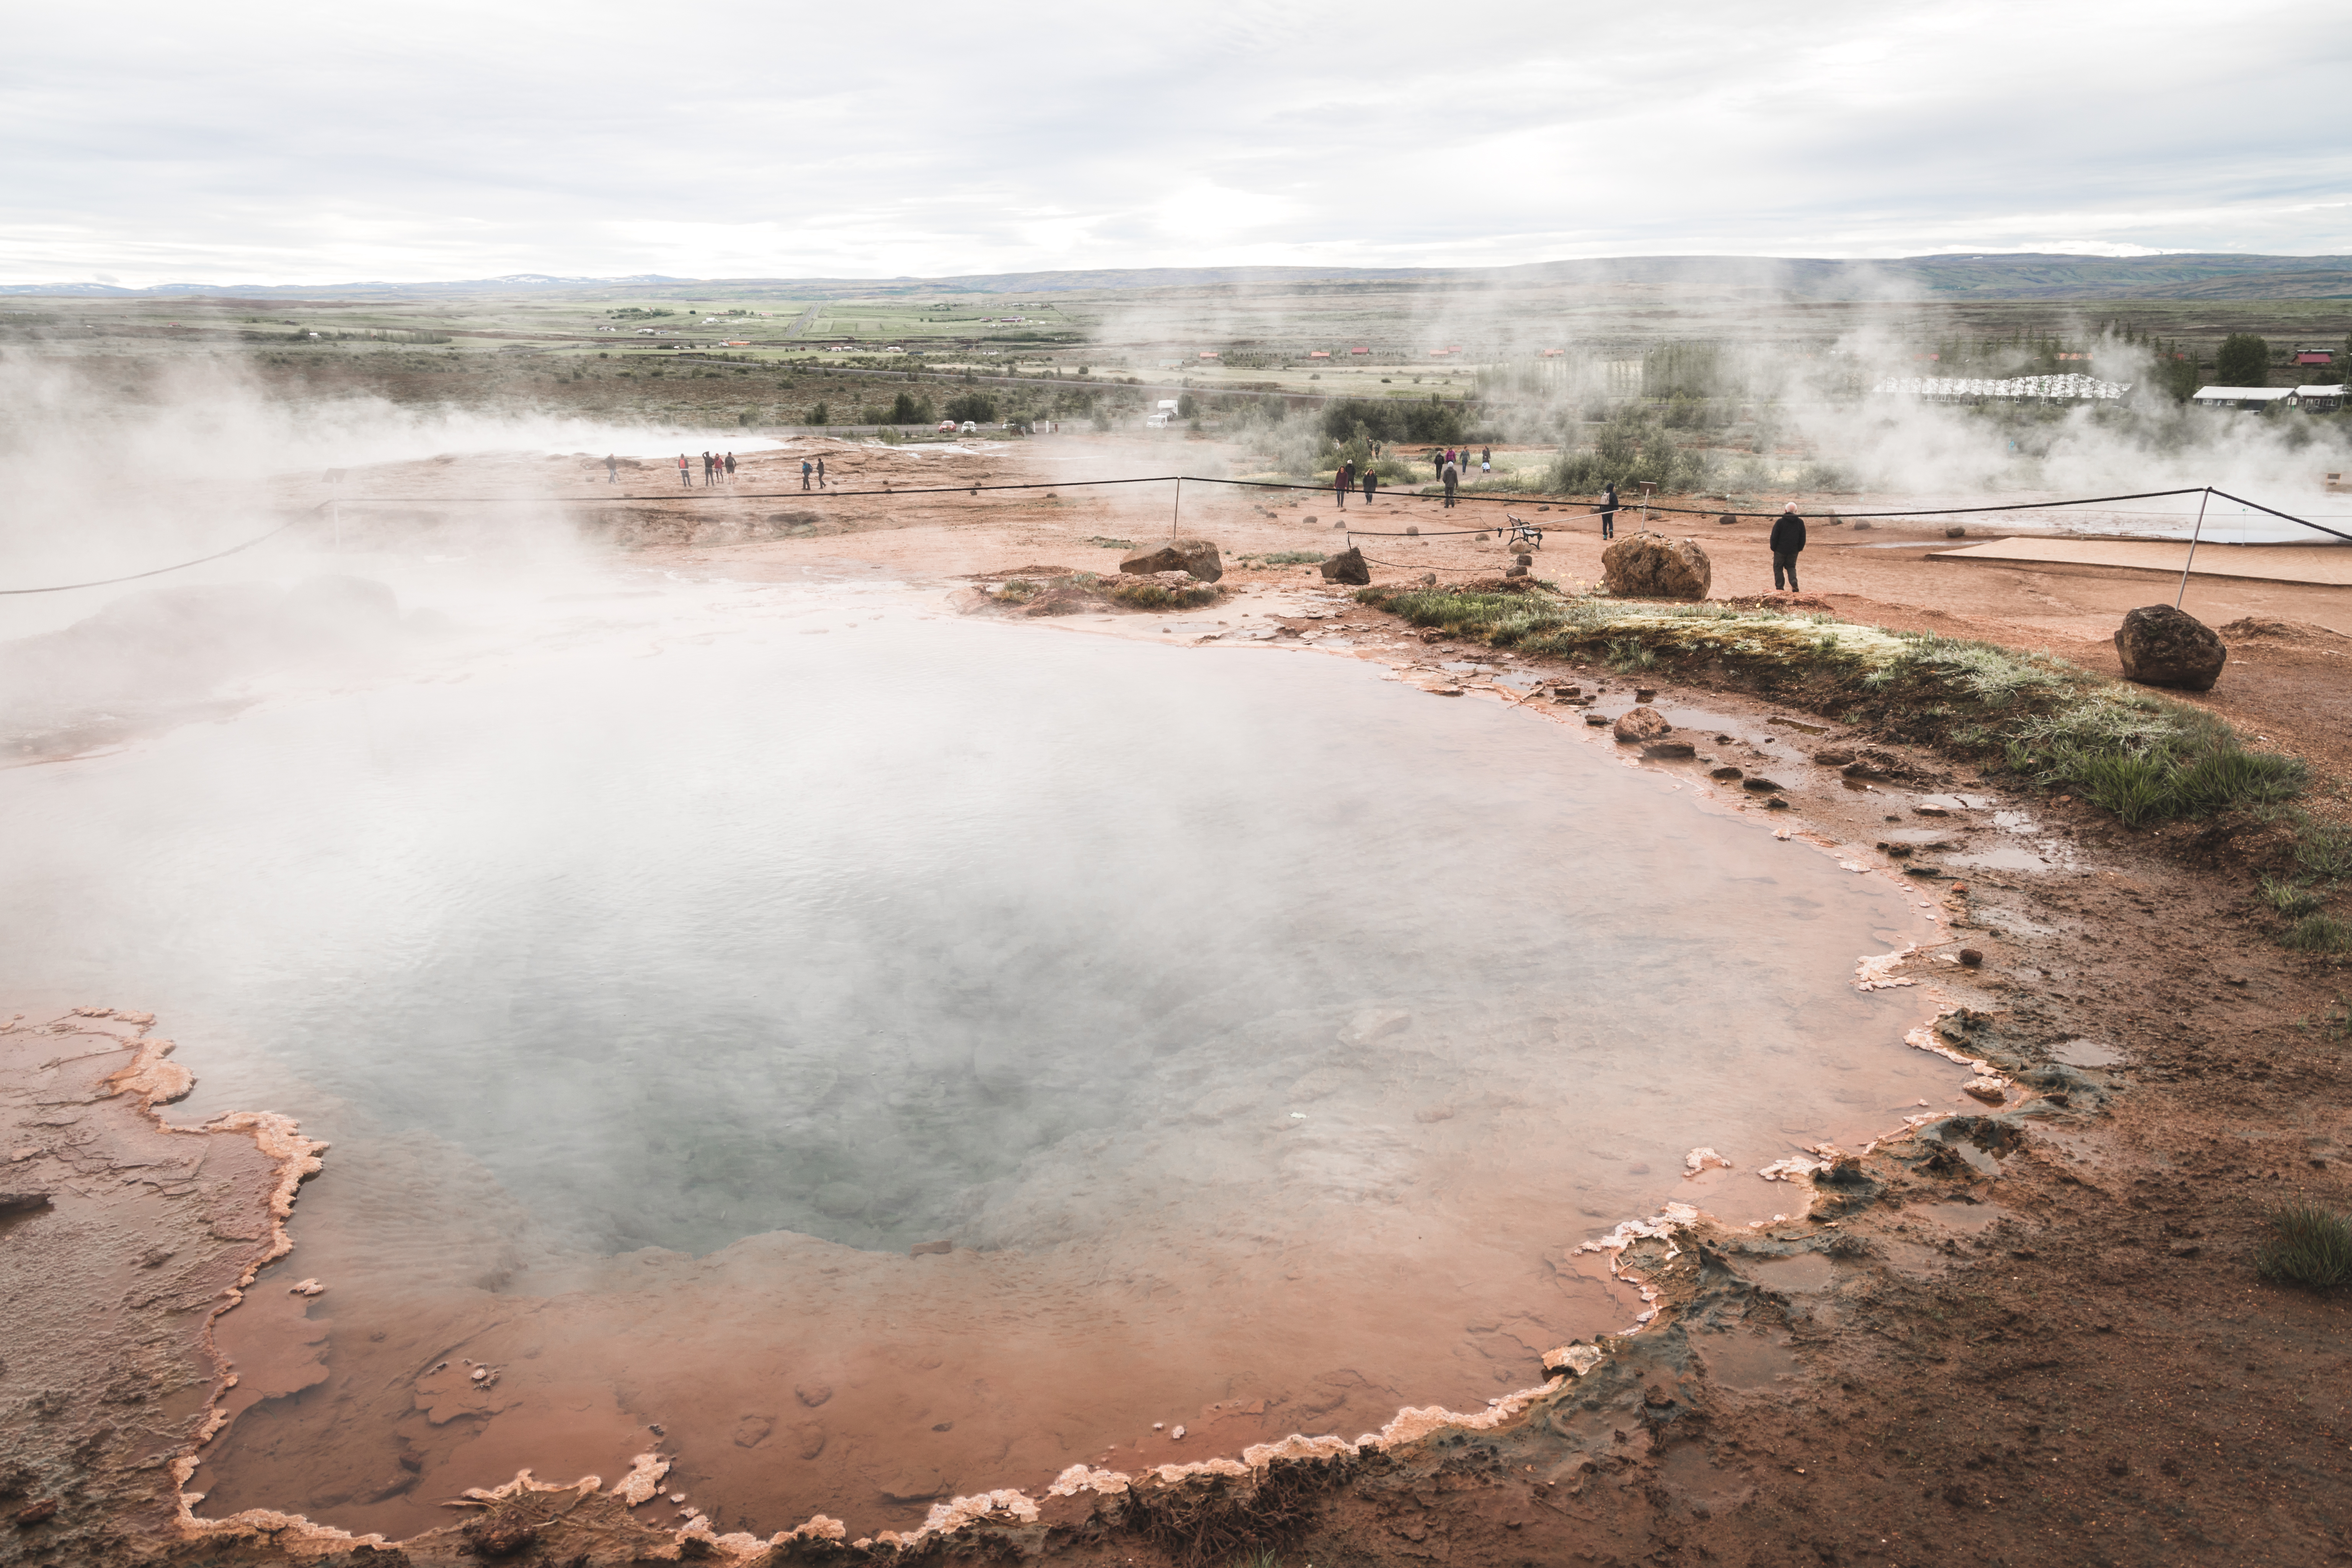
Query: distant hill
x: 2025, y: 277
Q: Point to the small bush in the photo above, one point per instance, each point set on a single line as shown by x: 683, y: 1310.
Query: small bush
x: 1020, y: 590
x: 1110, y: 543
x: 2308, y: 1246
x: 1283, y: 558
x: 2318, y: 933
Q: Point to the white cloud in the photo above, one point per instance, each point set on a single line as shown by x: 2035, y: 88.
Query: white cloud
x: 270, y: 142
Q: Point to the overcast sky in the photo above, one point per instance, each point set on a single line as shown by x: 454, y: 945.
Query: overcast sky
x: 270, y: 142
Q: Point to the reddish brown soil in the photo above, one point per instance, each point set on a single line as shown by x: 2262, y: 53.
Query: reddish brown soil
x: 2047, y: 1346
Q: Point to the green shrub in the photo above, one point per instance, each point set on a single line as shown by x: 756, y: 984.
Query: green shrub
x: 1283, y: 558
x: 1631, y: 653
x: 2308, y: 1246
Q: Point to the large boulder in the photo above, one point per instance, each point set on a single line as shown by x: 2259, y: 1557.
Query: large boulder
x: 1198, y: 556
x: 1652, y: 566
x: 2160, y: 645
x: 1348, y: 566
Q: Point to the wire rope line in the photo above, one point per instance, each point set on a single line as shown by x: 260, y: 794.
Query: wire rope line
x: 159, y: 571
x: 711, y: 493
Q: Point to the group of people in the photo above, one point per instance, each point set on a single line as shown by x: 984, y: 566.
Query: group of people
x: 715, y: 469
x: 1453, y: 464
x: 1347, y: 479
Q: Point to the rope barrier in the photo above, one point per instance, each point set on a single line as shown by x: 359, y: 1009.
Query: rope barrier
x: 159, y: 571
x: 711, y: 493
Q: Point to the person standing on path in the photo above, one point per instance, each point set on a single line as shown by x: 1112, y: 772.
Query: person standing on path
x: 1452, y: 477
x: 685, y: 474
x: 1787, y: 543
x: 820, y: 473
x: 1486, y: 460
x: 1371, y: 483
x: 805, y: 471
x: 1342, y: 482
x: 611, y: 469
x: 1436, y: 463
x: 729, y: 460
x: 1608, y: 511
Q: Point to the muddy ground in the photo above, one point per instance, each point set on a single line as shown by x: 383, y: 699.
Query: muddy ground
x: 2030, y: 1335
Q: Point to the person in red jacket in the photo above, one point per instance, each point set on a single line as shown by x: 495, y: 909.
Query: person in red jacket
x: 1788, y: 542
x: 1342, y: 482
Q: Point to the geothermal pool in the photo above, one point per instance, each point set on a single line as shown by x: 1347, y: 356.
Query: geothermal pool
x: 900, y: 1057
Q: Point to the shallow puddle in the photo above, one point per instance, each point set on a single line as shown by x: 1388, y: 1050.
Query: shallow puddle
x: 918, y: 1062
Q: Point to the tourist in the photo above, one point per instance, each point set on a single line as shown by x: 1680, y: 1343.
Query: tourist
x: 1342, y: 482
x: 684, y: 472
x: 1788, y: 542
x: 611, y: 469
x: 1436, y: 463
x: 1453, y: 477
x: 1486, y: 460
x: 1371, y: 483
x: 804, y: 473
x: 820, y: 473
x: 730, y: 461
x: 706, y: 471
x: 1608, y: 511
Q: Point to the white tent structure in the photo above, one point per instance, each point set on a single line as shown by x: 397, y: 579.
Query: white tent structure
x: 2241, y: 396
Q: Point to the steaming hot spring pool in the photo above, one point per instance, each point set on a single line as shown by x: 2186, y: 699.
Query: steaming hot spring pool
x: 916, y: 1057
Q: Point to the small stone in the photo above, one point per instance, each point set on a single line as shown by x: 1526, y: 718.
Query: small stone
x: 1970, y: 959
x: 1777, y: 802
x: 1726, y: 521
x: 1991, y: 1090
x: 1197, y: 557
x: 480, y: 1374
x: 1833, y: 759
x: 1663, y: 750
x: 1178, y: 1433
x: 306, y: 1288
x: 1348, y: 566
x: 1641, y: 724
x: 813, y: 1393
x: 36, y: 1513
x: 1645, y: 694
x: 1956, y: 534
x: 1929, y: 811
x: 1761, y: 785
x: 1726, y: 772
x: 1597, y: 721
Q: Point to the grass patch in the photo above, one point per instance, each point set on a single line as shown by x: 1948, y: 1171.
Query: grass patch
x: 1282, y: 558
x: 1019, y: 590
x: 2290, y: 899
x: 2143, y: 757
x: 1110, y: 543
x: 2308, y: 1246
x: 2318, y: 933
x: 1631, y: 654
x: 1150, y: 596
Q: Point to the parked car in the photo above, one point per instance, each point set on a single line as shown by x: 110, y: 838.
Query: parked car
x: 969, y: 428
x: 947, y: 426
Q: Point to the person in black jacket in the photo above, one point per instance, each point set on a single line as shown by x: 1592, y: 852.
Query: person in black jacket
x: 1608, y: 511
x: 1787, y: 543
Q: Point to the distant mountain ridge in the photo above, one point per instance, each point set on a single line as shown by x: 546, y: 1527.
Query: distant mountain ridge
x: 2207, y: 276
